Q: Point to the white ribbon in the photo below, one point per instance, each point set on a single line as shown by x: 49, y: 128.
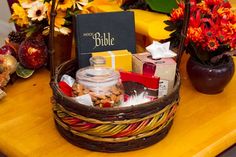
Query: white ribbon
x: 159, y: 50
x: 113, y: 61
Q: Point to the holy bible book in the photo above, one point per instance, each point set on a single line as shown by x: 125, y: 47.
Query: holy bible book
x: 103, y: 32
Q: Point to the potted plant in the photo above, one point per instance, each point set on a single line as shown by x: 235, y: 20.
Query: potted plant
x: 210, y: 36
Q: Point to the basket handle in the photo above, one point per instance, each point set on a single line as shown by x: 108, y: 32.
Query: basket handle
x: 51, y: 50
x: 183, y: 32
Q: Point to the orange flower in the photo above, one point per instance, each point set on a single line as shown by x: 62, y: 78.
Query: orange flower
x: 233, y: 17
x: 60, y: 19
x: 233, y: 41
x: 211, y: 28
x: 224, y: 13
x: 177, y: 14
x: 203, y: 7
x: 212, y: 44
x: 60, y: 16
x: 64, y: 4
x: 195, y: 34
x: 213, y: 2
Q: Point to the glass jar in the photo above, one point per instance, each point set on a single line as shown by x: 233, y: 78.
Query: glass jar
x: 101, y: 83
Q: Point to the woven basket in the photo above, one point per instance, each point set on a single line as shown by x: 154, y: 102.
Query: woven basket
x: 112, y: 129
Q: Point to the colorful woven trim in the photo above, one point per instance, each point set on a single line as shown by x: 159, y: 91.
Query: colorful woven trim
x: 114, y: 131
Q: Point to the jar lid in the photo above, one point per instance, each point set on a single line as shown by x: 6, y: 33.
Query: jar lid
x: 97, y: 74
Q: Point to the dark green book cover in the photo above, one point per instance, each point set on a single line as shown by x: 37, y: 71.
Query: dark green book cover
x: 103, y: 32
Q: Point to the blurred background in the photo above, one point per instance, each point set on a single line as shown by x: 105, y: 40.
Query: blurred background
x: 5, y: 26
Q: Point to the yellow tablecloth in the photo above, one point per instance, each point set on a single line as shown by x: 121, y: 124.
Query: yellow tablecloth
x: 204, y: 125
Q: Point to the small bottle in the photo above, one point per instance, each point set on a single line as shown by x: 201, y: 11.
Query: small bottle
x: 101, y: 83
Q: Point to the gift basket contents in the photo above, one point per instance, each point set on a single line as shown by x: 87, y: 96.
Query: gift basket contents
x: 146, y: 77
x: 110, y: 98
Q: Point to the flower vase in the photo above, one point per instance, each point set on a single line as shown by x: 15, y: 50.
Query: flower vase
x: 210, y: 79
x: 63, y: 48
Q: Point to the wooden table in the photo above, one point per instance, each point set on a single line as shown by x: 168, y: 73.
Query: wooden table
x: 204, y: 125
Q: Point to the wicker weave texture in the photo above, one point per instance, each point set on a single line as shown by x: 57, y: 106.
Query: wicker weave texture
x: 114, y: 131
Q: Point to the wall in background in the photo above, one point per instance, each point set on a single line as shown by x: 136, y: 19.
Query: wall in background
x: 4, y: 10
x: 5, y: 26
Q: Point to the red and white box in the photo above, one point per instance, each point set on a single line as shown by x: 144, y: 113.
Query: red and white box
x: 164, y: 68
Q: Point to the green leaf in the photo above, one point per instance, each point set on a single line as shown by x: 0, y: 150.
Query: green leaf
x: 173, y: 34
x: 67, y: 22
x: 68, y: 14
x: 23, y: 72
x: 169, y: 28
x: 168, y: 22
x: 198, y: 53
x: 164, y: 6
